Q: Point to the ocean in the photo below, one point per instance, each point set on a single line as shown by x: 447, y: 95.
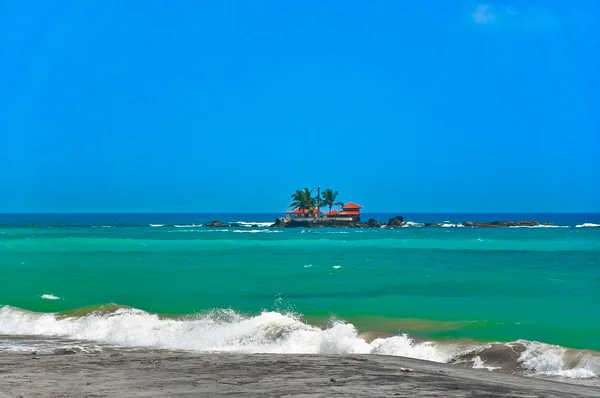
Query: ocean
x: 519, y: 300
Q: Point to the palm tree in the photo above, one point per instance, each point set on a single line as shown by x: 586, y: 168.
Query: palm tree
x: 303, y: 199
x: 328, y: 198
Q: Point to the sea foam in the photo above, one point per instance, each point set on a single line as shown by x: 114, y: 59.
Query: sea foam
x: 256, y: 231
x: 274, y: 332
x: 253, y: 224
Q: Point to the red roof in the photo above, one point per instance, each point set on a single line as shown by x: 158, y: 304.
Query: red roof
x: 332, y: 213
x: 303, y: 211
x: 351, y: 206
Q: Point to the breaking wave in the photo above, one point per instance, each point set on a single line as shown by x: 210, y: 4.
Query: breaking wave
x: 257, y: 231
x: 587, y: 225
x: 539, y: 226
x: 253, y: 224
x: 274, y: 332
x: 50, y: 297
x: 450, y: 225
x: 409, y: 224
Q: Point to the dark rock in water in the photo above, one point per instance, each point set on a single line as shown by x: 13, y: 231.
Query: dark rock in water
x: 281, y: 222
x: 503, y: 224
x: 395, y: 221
x: 373, y: 223
x: 215, y: 223
x: 284, y: 222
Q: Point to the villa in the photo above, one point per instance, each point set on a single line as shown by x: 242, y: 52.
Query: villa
x: 303, y: 213
x: 350, y: 212
x: 307, y: 210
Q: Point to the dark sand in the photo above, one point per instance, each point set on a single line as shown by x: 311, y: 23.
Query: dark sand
x: 161, y: 374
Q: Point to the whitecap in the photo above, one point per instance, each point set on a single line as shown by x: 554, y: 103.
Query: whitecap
x: 250, y: 224
x: 551, y: 360
x: 411, y: 224
x: 479, y: 364
x: 539, y: 226
x: 587, y: 225
x: 256, y: 231
x: 49, y: 297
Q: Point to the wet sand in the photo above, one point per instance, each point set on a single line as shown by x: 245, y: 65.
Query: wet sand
x: 162, y: 374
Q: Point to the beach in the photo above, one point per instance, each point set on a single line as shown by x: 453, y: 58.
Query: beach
x: 167, y: 373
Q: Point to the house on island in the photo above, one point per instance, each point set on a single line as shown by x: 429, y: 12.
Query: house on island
x: 303, y: 213
x: 350, y: 212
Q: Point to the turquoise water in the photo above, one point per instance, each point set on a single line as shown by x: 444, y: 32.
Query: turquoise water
x: 504, y: 285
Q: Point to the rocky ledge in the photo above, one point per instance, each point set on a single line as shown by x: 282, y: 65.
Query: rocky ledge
x: 396, y: 222
x: 283, y: 222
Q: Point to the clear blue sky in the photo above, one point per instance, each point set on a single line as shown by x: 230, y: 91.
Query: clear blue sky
x: 224, y: 106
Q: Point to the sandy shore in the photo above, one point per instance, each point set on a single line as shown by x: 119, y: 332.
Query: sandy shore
x: 161, y: 373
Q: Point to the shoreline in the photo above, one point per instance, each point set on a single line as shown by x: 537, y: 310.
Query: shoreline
x: 160, y: 373
x: 76, y: 331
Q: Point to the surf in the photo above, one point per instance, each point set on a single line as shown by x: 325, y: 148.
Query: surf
x: 286, y: 333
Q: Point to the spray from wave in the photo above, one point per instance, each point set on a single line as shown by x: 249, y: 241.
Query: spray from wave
x: 274, y: 332
x: 254, y: 224
x: 256, y: 231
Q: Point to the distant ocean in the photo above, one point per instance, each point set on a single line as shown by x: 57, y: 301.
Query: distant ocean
x: 522, y: 300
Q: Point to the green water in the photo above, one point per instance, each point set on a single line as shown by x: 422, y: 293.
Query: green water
x: 449, y: 283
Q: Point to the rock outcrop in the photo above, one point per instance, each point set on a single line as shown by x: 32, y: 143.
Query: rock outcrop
x: 281, y: 222
x: 395, y: 222
x: 373, y: 223
x: 215, y: 224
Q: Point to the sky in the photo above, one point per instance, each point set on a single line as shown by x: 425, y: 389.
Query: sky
x: 230, y: 106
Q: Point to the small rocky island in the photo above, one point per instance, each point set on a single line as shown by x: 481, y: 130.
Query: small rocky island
x: 306, y: 212
x: 394, y: 222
